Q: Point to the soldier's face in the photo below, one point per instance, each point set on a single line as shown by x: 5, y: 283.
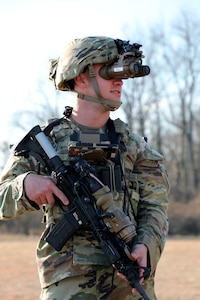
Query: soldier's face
x: 109, y: 89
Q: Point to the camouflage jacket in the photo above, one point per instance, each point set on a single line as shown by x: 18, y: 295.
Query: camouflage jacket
x: 147, y: 183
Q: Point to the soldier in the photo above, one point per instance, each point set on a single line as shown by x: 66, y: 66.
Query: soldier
x: 94, y: 69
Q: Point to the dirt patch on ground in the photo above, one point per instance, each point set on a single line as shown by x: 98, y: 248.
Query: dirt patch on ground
x: 178, y: 273
x: 177, y: 277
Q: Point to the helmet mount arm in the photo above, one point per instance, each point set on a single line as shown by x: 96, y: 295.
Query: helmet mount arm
x: 110, y: 105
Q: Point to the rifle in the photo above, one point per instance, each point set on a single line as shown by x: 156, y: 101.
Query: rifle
x: 91, y: 204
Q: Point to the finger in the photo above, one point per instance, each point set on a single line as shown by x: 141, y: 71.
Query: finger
x: 134, y: 290
x: 58, y: 193
x: 141, y: 272
x: 135, y: 255
x: 41, y: 200
x: 50, y: 199
x: 120, y: 275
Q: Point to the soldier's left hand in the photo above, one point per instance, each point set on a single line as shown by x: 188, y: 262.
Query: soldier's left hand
x: 139, y: 254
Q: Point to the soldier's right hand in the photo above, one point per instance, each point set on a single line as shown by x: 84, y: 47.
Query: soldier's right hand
x: 43, y: 189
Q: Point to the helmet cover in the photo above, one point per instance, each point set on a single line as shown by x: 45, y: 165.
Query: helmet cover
x: 77, y: 55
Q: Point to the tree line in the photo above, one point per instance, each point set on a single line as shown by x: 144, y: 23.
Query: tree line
x: 165, y: 105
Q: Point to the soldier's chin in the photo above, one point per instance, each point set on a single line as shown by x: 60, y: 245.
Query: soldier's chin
x: 113, y: 108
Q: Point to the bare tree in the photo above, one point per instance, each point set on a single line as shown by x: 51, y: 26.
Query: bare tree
x: 135, y: 107
x: 180, y: 57
x: 143, y: 96
x: 165, y: 105
x: 43, y: 103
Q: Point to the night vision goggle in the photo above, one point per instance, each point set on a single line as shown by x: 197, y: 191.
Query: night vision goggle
x: 128, y: 63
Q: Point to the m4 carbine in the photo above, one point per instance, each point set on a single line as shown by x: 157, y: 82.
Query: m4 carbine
x: 91, y: 204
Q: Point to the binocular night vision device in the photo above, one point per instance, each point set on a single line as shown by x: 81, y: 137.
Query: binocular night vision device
x: 128, y: 63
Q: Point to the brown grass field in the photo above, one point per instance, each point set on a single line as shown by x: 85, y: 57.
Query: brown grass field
x: 177, y: 278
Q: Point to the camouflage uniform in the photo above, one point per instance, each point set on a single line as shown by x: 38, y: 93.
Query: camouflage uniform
x: 80, y: 260
x: 80, y: 270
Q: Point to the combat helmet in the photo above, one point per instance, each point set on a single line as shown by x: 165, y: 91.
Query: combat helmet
x: 77, y: 55
x: 83, y: 53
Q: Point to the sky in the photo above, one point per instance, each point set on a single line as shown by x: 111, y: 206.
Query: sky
x: 33, y: 31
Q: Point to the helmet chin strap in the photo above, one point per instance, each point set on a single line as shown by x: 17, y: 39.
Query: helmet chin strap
x: 110, y: 105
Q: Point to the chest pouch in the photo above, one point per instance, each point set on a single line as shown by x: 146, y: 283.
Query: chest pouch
x: 110, y: 174
x: 100, y: 152
x: 95, y: 147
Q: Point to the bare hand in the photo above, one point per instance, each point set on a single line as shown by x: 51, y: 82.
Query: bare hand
x: 42, y: 189
x: 139, y: 254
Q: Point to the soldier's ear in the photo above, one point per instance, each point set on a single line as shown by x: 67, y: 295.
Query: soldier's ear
x: 80, y: 79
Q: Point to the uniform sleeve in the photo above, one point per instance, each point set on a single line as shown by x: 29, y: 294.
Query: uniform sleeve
x: 13, y: 201
x: 153, y: 188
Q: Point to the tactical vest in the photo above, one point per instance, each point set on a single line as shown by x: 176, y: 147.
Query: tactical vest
x: 106, y: 149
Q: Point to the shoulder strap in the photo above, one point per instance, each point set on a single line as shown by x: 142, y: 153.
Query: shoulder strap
x: 67, y: 113
x: 49, y: 127
x: 114, y: 138
x: 112, y: 134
